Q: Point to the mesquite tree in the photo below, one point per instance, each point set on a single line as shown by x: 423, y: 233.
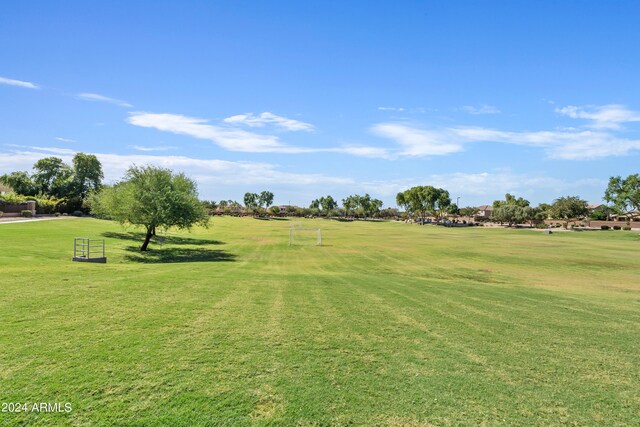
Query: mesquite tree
x: 152, y: 197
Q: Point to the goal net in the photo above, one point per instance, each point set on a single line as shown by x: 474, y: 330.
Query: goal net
x: 305, y: 236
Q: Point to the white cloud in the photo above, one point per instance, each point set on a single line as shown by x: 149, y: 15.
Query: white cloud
x: 485, y: 187
x: 229, y: 139
x: 566, y: 145
x: 610, y: 116
x: 266, y: 118
x: 159, y: 148
x: 101, y: 98
x: 223, y: 178
x: 417, y: 142
x: 397, y: 109
x: 61, y: 139
x: 19, y: 83
x: 362, y: 151
x: 236, y: 139
x: 482, y: 109
x: 53, y: 150
x: 209, y: 171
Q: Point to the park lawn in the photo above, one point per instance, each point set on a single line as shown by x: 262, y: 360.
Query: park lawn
x: 386, y: 324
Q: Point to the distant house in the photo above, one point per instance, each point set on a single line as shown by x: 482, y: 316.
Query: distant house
x: 285, y: 209
x: 631, y: 216
x: 604, y: 210
x: 484, y: 211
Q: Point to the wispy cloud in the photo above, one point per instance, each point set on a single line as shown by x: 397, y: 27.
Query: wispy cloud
x: 610, y: 116
x: 101, y: 98
x: 565, y: 145
x: 229, y: 139
x: 474, y: 188
x: 205, y: 171
x: 19, y: 83
x: 362, y: 151
x: 159, y: 148
x: 267, y: 118
x: 233, y: 139
x: 484, y: 187
x: 61, y: 139
x: 482, y: 109
x: 408, y: 110
x: 54, y: 150
x: 568, y: 144
x: 417, y: 142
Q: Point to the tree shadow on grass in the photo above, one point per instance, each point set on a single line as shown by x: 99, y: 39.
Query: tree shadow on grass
x: 174, y: 240
x: 176, y: 255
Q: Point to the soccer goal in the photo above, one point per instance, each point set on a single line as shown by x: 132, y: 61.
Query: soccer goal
x: 305, y: 236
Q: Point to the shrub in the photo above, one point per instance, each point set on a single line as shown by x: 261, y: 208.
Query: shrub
x: 77, y: 213
x: 47, y: 205
x: 616, y: 227
x: 626, y: 228
x: 26, y: 213
x: 604, y: 227
x: 12, y: 198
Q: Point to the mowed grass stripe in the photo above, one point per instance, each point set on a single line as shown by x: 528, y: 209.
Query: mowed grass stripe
x: 457, y: 341
x: 387, y: 324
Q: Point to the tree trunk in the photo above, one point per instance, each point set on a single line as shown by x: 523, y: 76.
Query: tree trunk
x: 147, y: 239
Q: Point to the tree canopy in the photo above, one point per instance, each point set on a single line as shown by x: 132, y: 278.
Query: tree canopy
x: 511, y: 214
x: 265, y: 199
x: 513, y: 211
x: 624, y: 195
x: 362, y: 206
x: 425, y: 200
x: 325, y: 204
x: 510, y: 199
x: 20, y: 182
x: 469, y: 211
x: 87, y: 174
x: 52, y: 176
x: 53, y: 179
x: 569, y: 209
x: 251, y: 201
x: 152, y: 197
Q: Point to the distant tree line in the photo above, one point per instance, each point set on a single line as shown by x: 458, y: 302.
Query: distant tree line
x: 426, y: 203
x: 59, y: 187
x: 55, y: 185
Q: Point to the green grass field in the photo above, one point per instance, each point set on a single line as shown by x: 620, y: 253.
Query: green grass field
x: 387, y: 324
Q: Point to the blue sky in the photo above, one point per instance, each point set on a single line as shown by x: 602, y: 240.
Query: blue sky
x: 305, y: 99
